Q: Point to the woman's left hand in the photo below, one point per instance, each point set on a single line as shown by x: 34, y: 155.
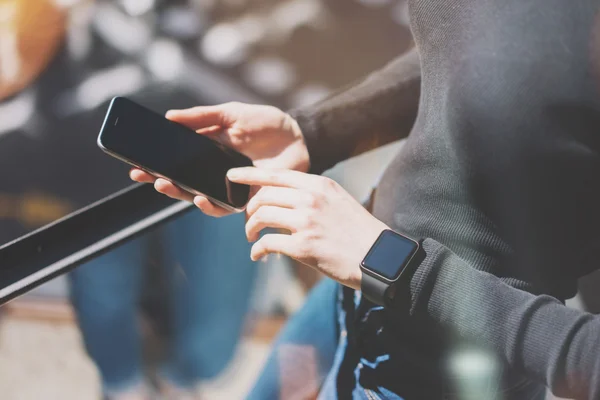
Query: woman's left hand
x: 329, y: 230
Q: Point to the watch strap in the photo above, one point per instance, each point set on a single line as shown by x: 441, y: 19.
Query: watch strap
x: 374, y: 289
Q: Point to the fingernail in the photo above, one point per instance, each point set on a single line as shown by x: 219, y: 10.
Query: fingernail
x: 170, y: 113
x: 233, y: 174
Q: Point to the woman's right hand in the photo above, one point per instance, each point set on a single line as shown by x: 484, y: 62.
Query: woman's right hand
x: 265, y: 134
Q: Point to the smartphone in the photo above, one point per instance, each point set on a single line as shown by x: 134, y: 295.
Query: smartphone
x: 166, y: 149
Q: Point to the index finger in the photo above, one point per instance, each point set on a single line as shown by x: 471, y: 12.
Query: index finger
x: 271, y: 177
x: 201, y: 117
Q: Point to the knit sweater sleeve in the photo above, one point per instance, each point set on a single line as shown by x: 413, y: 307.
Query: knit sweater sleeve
x: 538, y: 335
x: 377, y: 110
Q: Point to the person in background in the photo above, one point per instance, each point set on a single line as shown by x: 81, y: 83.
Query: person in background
x: 210, y: 277
x: 210, y: 281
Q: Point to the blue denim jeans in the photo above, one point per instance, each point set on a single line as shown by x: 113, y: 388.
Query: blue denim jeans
x: 313, y: 355
x: 304, y: 351
x: 208, y: 264
x: 343, y: 347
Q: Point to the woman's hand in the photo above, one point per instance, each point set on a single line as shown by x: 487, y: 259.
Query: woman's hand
x: 329, y: 230
x: 265, y: 134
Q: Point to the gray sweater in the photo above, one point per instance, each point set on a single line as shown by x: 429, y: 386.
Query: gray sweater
x: 500, y: 174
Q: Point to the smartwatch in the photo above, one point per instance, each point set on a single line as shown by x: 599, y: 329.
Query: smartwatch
x: 393, y: 257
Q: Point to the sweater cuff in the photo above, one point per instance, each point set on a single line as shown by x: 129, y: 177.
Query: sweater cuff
x: 319, y: 161
x: 423, y: 279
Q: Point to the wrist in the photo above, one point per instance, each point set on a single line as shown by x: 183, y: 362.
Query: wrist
x: 370, y: 236
x: 356, y: 280
x: 303, y: 157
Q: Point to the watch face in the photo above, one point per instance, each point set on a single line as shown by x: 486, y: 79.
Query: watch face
x: 389, y: 255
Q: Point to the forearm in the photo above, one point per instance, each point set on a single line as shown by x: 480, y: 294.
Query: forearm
x: 534, y: 334
x: 379, y: 109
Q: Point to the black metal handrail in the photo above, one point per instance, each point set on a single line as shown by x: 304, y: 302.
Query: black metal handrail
x: 55, y: 249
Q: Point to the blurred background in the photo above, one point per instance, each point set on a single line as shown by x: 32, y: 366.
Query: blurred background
x: 61, y: 61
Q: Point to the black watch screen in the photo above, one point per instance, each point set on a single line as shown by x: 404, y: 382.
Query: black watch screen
x: 390, y: 255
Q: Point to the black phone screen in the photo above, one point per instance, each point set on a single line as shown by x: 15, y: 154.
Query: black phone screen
x: 163, y: 147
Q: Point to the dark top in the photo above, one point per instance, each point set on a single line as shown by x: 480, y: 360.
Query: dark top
x: 501, y: 174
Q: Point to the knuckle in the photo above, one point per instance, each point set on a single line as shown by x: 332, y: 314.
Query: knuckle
x: 252, y: 206
x: 319, y: 201
x: 258, y: 216
x: 259, y: 246
x: 311, y: 217
x: 313, y: 200
x: 306, y: 223
x: 329, y: 183
x: 248, y: 230
x: 250, y: 210
x: 272, y: 176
